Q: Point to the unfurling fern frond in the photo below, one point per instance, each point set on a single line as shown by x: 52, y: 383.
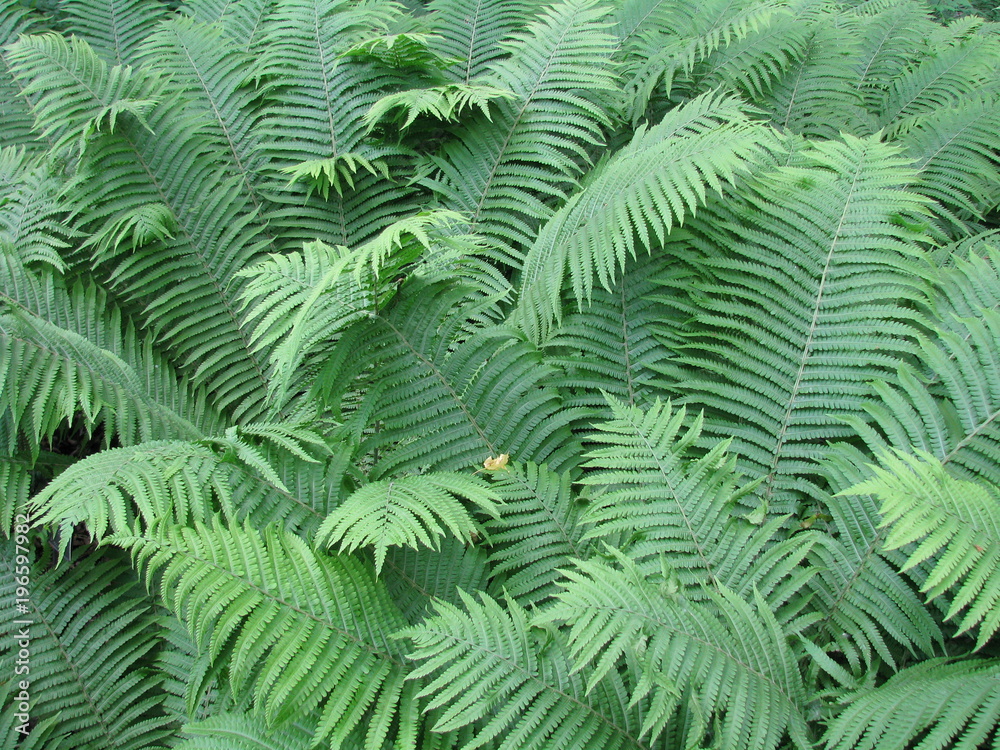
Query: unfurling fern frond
x: 410, y: 511
x: 485, y: 666
x: 803, y: 307
x: 941, y: 704
x: 729, y: 653
x: 954, y: 520
x: 634, y: 199
x: 306, y: 634
x: 92, y: 639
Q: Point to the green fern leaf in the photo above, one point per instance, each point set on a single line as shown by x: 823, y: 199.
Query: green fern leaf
x: 488, y: 667
x: 640, y: 193
x: 307, y: 634
x: 114, y: 28
x: 953, y: 705
x: 732, y: 654
x: 90, y: 663
x: 412, y: 511
x: 950, y: 518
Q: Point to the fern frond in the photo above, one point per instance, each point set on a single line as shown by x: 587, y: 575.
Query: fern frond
x: 416, y: 578
x: 500, y: 171
x: 539, y: 529
x: 941, y: 80
x: 32, y: 216
x: 92, y: 639
x: 634, y: 199
x: 954, y: 705
x: 471, y: 390
x: 857, y: 586
x: 216, y: 77
x: 610, y: 346
x: 184, y: 284
x: 16, y: 119
x: 489, y: 668
x: 955, y: 150
x: 958, y: 419
x: 891, y: 37
x: 953, y: 519
x: 240, y: 731
x: 818, y: 96
x: 314, y: 124
x: 472, y: 32
x: 802, y: 308
x: 731, y: 654
x: 306, y: 634
x: 443, y: 103
x: 114, y: 28
x: 244, y: 22
x: 412, y: 511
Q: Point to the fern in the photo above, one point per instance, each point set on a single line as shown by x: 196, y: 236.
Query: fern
x: 322, y: 648
x: 89, y: 662
x: 796, y: 286
x: 953, y: 705
x: 487, y: 667
x: 924, y: 504
x: 730, y: 654
x: 409, y: 510
x: 500, y: 174
x: 640, y: 193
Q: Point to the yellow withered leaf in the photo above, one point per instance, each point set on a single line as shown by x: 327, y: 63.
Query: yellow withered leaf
x: 492, y: 464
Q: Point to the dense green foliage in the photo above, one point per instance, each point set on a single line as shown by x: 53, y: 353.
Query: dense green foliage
x: 711, y: 286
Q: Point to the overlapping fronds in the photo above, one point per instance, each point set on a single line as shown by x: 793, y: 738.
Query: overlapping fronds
x: 892, y: 36
x: 218, y: 79
x: 955, y: 149
x: 857, y: 586
x: 314, y: 127
x: 240, y: 731
x: 415, y: 578
x: 539, y: 530
x: 244, y: 22
x: 634, y: 199
x: 114, y: 28
x: 953, y: 520
x: 610, y: 346
x: 941, y: 704
x: 958, y: 418
x: 941, y: 80
x: 411, y: 510
x: 471, y: 32
x: 818, y: 95
x: 502, y: 171
x: 798, y: 315
x: 306, y: 634
x: 32, y: 217
x: 16, y: 119
x: 472, y: 390
x: 185, y: 282
x: 728, y: 656
x: 485, y: 665
x: 91, y: 638
x: 681, y: 36
x: 76, y: 354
